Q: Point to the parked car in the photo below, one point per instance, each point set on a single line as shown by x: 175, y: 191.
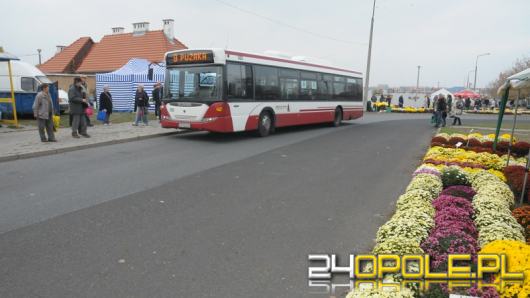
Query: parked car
x: 63, y: 101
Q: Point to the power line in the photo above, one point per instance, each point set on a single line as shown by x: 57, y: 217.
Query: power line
x: 281, y: 23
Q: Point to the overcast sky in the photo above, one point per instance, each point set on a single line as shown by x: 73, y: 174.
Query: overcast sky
x: 443, y: 36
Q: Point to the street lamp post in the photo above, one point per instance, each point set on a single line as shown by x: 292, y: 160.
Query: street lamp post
x: 476, y: 63
x: 418, y: 78
x: 468, y: 83
x: 417, y: 83
x: 367, y: 78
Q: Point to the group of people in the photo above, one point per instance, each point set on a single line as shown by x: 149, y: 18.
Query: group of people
x: 388, y: 100
x: 464, y: 104
x: 79, y: 106
x: 141, y: 103
x: 443, y: 107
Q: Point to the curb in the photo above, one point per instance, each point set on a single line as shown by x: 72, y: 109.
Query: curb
x: 86, y: 146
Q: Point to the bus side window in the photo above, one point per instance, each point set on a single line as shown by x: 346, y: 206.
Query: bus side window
x: 289, y: 84
x: 339, y: 88
x: 239, y: 81
x: 28, y: 84
x: 308, y: 85
x: 325, y: 89
x: 266, y: 83
x: 353, y: 89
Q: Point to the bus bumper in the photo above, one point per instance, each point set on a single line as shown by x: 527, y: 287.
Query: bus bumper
x: 218, y: 124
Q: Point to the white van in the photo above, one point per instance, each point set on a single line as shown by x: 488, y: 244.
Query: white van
x: 26, y: 81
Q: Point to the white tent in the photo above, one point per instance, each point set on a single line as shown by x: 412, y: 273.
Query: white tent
x: 442, y: 91
x: 517, y: 81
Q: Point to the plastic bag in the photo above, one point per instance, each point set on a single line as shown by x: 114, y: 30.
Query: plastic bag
x: 101, y: 116
x: 56, y: 122
x: 89, y: 111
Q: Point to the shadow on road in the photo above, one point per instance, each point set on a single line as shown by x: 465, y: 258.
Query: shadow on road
x: 249, y: 135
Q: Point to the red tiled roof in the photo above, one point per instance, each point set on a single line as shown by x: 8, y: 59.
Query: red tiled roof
x: 113, y: 51
x: 63, y: 61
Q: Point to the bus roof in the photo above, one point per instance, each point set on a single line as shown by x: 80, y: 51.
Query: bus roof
x: 220, y: 56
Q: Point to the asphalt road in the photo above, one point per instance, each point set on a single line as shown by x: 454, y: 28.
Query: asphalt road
x: 201, y: 215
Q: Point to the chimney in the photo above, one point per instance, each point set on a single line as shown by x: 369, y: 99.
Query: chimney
x: 60, y: 49
x: 168, y: 28
x: 140, y: 28
x: 118, y: 30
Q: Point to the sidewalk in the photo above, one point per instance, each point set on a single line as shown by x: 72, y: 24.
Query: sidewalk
x: 25, y: 142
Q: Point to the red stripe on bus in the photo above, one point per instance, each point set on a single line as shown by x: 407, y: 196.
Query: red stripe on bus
x: 289, y: 61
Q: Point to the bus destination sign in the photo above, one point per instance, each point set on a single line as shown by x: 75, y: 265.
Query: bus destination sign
x: 189, y: 57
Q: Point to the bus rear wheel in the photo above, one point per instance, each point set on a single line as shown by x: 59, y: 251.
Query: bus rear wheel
x: 265, y: 124
x: 337, y: 120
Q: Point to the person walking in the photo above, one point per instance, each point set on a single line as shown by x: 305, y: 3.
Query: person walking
x: 84, y: 85
x: 141, y: 103
x: 158, y: 92
x: 43, y: 112
x: 400, y: 101
x: 467, y: 103
x: 78, y: 104
x: 441, y: 109
x: 105, y: 104
x: 456, y: 119
x: 427, y: 102
x: 449, y: 103
x: 388, y: 100
x: 371, y: 104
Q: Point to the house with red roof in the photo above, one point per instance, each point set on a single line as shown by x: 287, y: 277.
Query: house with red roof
x: 87, y: 57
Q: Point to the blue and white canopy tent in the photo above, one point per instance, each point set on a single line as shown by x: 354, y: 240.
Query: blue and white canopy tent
x: 124, y: 81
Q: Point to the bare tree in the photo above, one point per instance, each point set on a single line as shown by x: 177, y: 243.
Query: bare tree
x: 518, y: 66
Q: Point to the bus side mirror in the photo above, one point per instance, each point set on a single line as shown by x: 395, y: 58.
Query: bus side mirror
x: 150, y: 74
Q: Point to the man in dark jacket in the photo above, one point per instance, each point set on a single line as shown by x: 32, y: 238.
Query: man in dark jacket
x: 441, y: 111
x: 141, y: 103
x: 158, y: 92
x: 400, y: 101
x: 78, y: 103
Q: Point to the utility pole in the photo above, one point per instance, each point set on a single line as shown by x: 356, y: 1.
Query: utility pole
x: 40, y: 60
x: 418, y: 78
x: 476, y: 63
x: 367, y: 78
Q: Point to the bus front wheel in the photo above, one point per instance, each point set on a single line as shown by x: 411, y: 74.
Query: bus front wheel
x: 265, y: 124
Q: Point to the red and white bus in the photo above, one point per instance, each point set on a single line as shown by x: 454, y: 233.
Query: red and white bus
x: 227, y: 91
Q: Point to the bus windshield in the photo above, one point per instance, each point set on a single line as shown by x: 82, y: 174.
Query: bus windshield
x: 194, y: 83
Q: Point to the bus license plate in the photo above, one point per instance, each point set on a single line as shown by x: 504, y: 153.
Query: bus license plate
x: 184, y: 125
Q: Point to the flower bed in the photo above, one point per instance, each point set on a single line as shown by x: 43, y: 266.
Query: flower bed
x: 459, y: 201
x: 481, y: 143
x: 515, y: 179
x: 522, y: 215
x: 518, y: 261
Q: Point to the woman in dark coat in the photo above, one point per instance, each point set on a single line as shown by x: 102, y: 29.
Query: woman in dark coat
x: 105, y: 104
x: 141, y: 103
